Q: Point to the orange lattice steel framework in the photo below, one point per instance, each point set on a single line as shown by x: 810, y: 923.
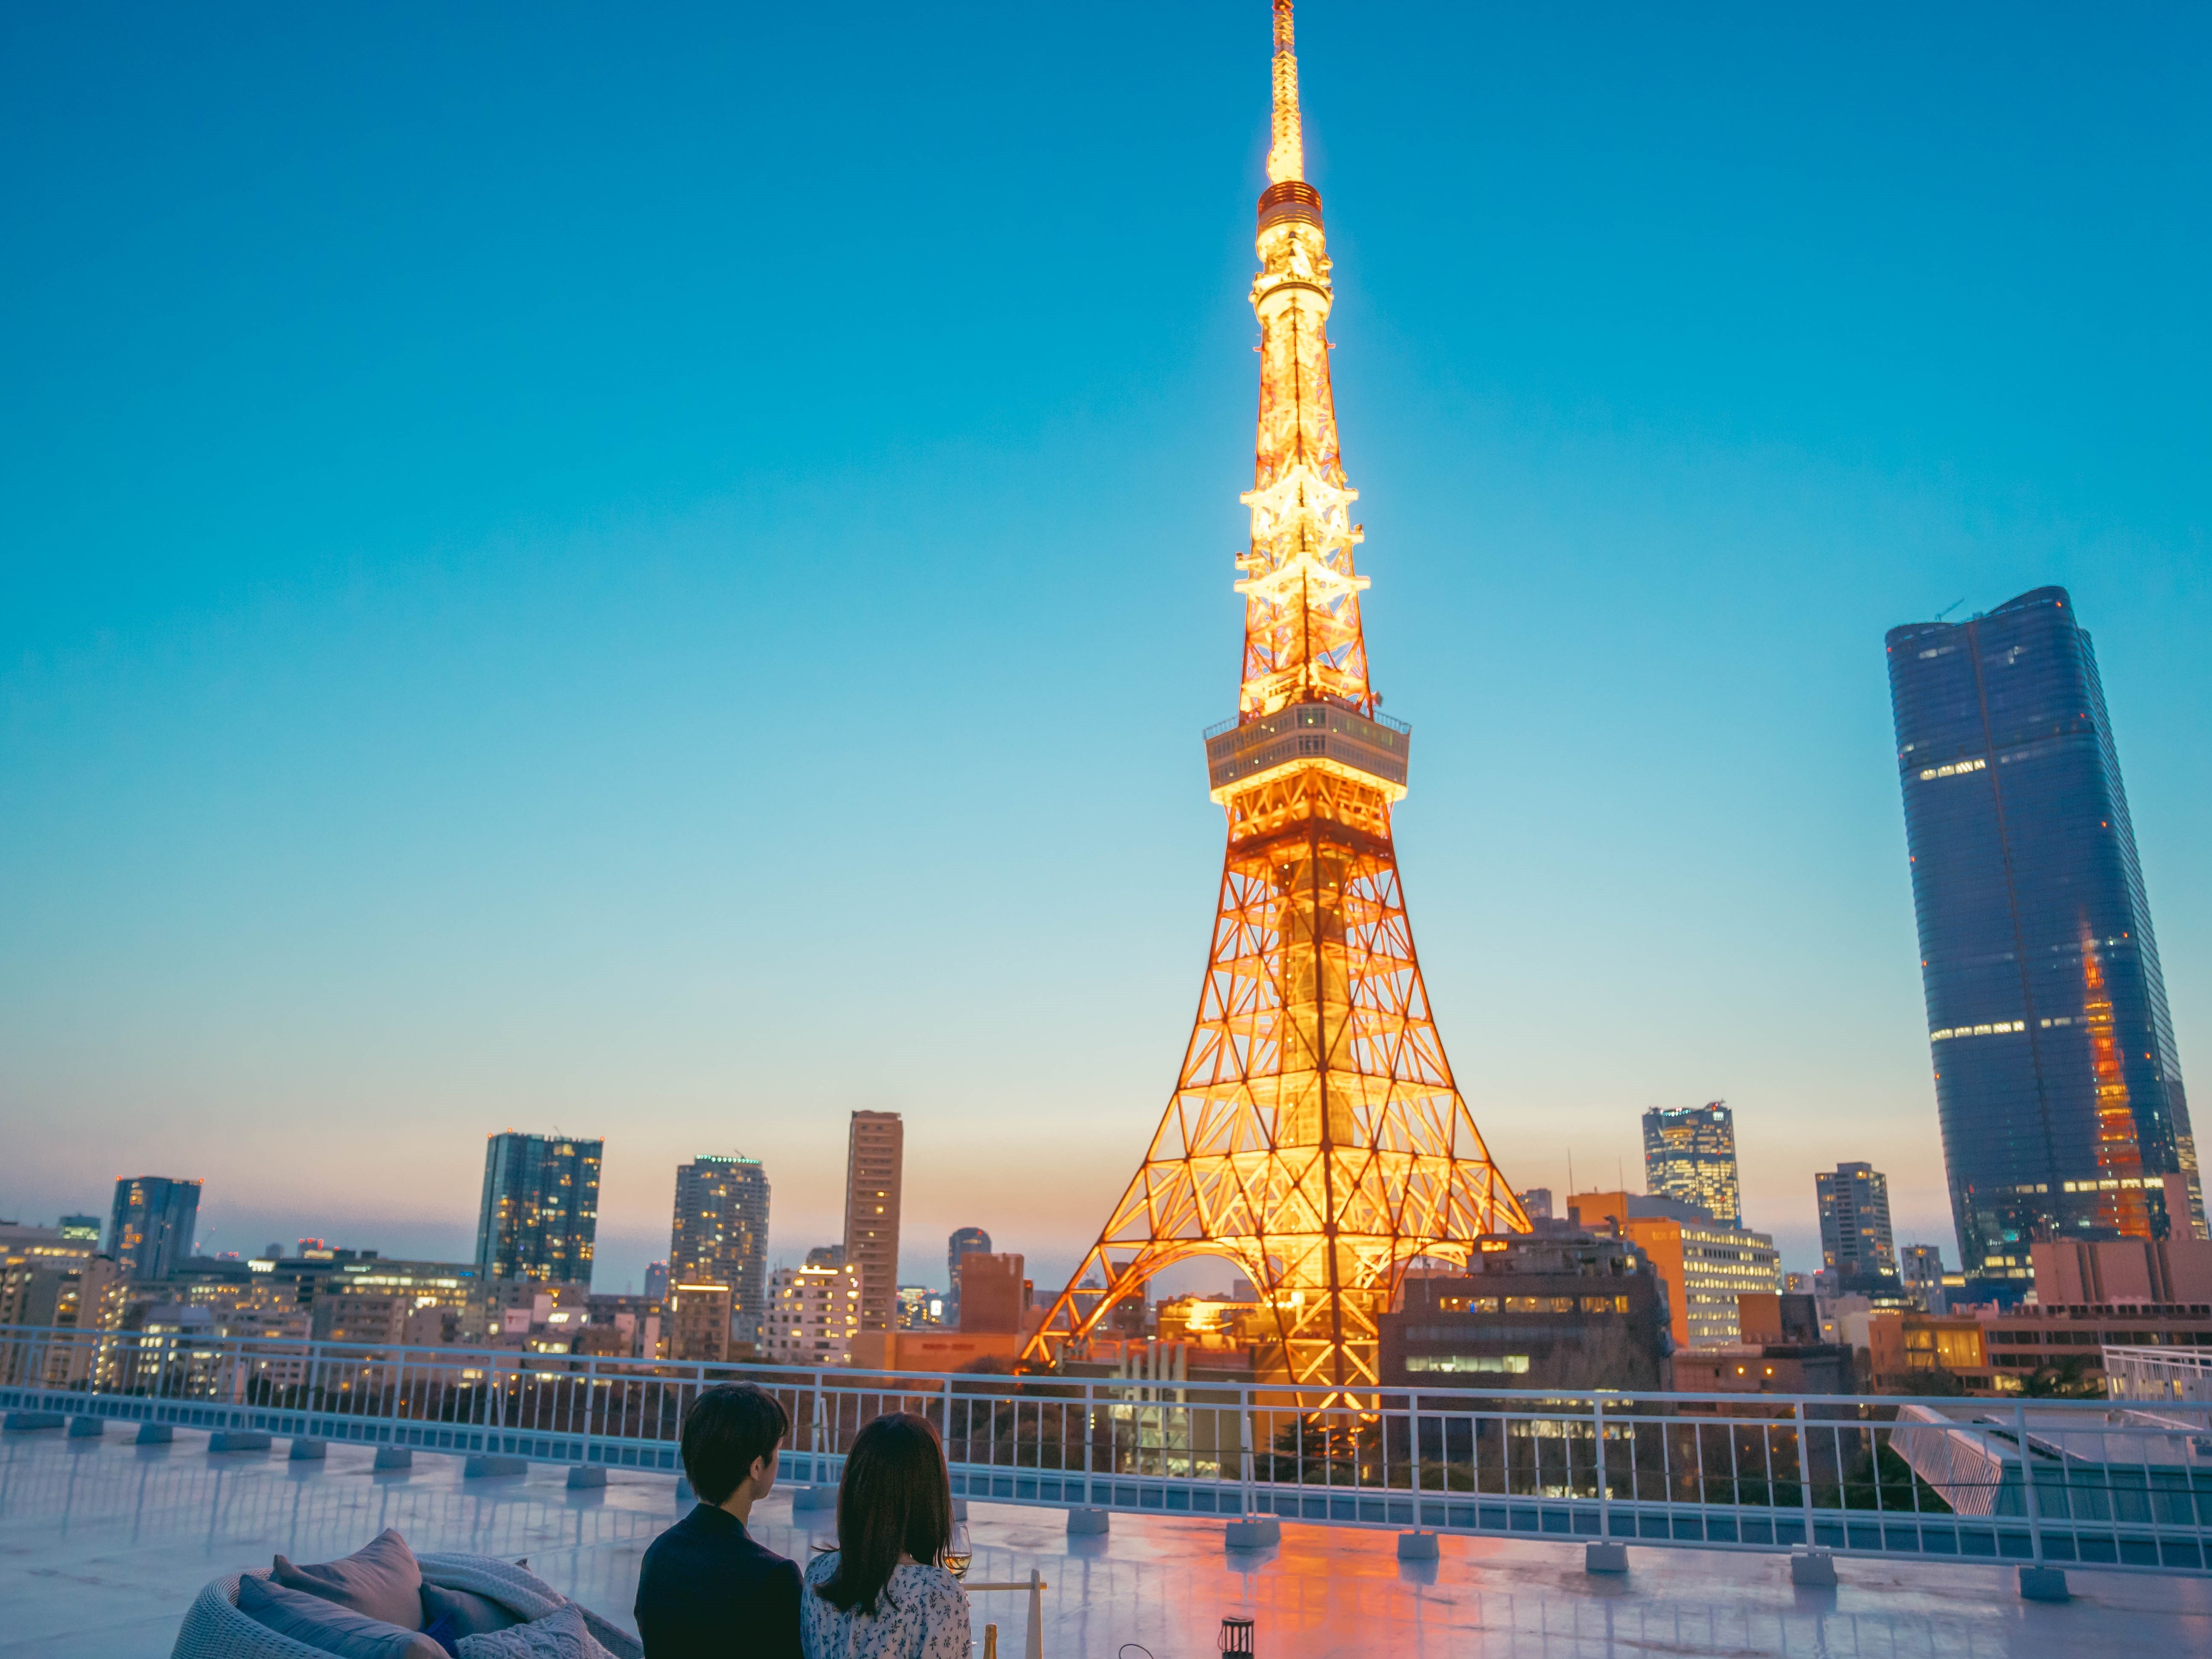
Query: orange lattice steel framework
x: 1316, y: 1138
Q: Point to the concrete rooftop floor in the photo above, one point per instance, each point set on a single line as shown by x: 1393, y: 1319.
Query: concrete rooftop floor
x: 103, y: 1545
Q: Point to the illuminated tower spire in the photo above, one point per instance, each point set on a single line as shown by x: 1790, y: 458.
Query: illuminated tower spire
x: 1301, y: 637
x: 1287, y: 155
x: 1316, y: 1137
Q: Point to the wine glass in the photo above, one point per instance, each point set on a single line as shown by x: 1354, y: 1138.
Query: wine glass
x: 958, y: 1552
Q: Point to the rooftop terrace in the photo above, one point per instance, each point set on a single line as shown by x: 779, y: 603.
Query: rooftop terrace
x: 103, y: 1543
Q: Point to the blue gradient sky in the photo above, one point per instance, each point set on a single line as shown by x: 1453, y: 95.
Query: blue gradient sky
x: 661, y: 573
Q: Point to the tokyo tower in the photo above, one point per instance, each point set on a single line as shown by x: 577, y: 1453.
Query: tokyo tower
x: 1316, y: 1137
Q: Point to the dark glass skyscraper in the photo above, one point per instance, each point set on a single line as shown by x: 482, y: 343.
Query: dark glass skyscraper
x: 150, y: 1225
x: 540, y: 1215
x: 2055, y: 1079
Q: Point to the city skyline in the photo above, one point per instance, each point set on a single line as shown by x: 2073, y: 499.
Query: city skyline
x: 381, y: 789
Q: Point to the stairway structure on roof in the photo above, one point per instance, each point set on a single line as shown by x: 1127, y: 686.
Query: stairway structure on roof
x: 1316, y: 1138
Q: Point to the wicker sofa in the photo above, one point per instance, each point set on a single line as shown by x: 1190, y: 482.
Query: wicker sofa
x: 554, y: 1627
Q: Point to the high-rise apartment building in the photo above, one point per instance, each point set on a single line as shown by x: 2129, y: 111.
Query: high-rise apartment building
x: 813, y: 1315
x: 1689, y: 1153
x: 656, y: 1281
x: 873, y: 1159
x: 2056, y: 1083
x: 150, y: 1229
x: 1856, y: 1239
x: 719, y: 1235
x: 964, y: 1241
x: 1536, y: 1201
x: 540, y: 1213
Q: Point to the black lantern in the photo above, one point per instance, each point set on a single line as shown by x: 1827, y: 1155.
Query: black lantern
x: 1237, y: 1637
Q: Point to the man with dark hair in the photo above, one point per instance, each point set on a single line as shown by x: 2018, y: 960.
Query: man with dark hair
x: 706, y: 1588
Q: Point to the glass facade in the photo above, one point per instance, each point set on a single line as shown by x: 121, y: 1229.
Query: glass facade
x: 1689, y: 1153
x: 2056, y: 1083
x: 540, y: 1214
x: 150, y: 1225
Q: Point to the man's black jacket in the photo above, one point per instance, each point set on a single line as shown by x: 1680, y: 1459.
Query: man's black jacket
x: 707, y: 1591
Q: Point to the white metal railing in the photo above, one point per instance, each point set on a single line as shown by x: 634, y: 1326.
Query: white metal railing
x: 2158, y: 1376
x: 2062, y: 1482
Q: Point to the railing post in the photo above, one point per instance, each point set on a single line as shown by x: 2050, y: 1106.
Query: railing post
x: 2026, y: 1479
x: 1805, y: 1472
x: 814, y: 1472
x: 1604, y: 1489
x: 1089, y: 1420
x: 1249, y: 1439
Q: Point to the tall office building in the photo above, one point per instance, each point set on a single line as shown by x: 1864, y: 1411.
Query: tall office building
x: 964, y: 1242
x: 1856, y: 1240
x: 1921, y: 1268
x: 1705, y: 1266
x: 719, y: 1235
x: 2056, y: 1083
x: 872, y: 1158
x: 150, y: 1229
x: 540, y: 1212
x: 85, y: 1229
x: 1689, y: 1153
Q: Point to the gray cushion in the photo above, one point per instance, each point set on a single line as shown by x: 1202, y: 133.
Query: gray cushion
x: 561, y: 1634
x: 380, y: 1580
x: 321, y: 1623
x: 472, y: 1614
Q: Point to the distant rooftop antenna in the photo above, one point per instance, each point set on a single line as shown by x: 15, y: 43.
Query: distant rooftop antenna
x: 1948, y: 609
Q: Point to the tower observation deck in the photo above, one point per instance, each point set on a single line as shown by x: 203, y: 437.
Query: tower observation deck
x: 1316, y: 1137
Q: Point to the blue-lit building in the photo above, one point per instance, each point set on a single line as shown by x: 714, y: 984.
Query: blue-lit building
x: 2056, y: 1077
x: 540, y: 1214
x: 150, y: 1225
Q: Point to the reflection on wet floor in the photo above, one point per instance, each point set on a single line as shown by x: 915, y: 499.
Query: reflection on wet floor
x: 103, y: 1544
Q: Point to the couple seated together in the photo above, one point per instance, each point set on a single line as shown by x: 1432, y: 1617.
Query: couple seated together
x: 706, y: 1587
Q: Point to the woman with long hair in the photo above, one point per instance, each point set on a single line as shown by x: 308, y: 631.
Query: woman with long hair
x: 883, y: 1592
